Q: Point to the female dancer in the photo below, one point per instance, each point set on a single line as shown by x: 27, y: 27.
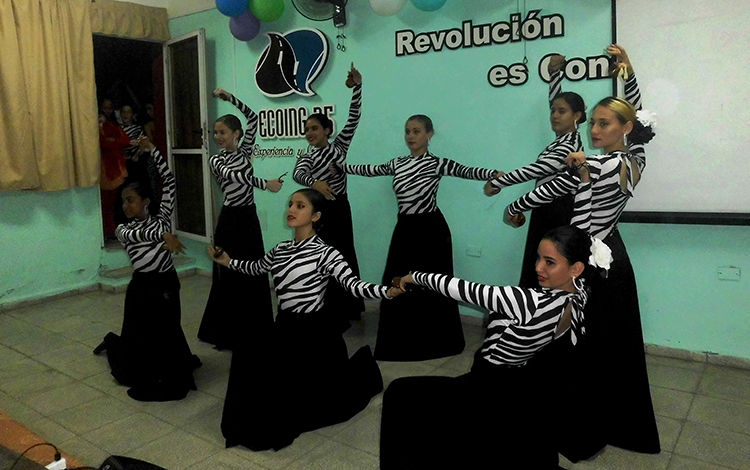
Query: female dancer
x: 499, y: 415
x: 299, y: 376
x: 402, y: 335
x: 567, y: 111
x: 602, y: 186
x: 151, y: 355
x: 229, y: 315
x: 312, y: 170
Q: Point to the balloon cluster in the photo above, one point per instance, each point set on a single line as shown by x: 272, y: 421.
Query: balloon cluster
x: 391, y: 7
x: 246, y: 15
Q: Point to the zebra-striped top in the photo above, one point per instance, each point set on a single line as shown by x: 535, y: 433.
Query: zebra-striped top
x: 416, y: 179
x: 521, y: 321
x: 551, y: 161
x: 234, y: 171
x: 134, y: 131
x: 143, y: 238
x: 315, y: 165
x: 301, y: 271
x: 598, y: 203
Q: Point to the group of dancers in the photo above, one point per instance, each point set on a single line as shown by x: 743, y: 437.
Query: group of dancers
x: 530, y: 394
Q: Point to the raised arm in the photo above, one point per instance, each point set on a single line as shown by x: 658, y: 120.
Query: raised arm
x: 509, y: 300
x: 344, y: 139
x: 248, y: 140
x: 448, y: 167
x: 333, y: 263
x: 632, y: 94
x: 556, y: 75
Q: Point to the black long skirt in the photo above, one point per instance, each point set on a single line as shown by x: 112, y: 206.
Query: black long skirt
x: 494, y: 417
x: 423, y: 324
x: 152, y: 355
x: 337, y: 231
x: 543, y: 219
x: 237, y: 302
x: 615, y: 379
x: 296, y: 378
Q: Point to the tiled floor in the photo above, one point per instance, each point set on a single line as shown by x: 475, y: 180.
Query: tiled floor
x: 52, y: 383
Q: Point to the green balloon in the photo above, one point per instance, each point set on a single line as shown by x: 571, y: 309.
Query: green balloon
x: 267, y: 10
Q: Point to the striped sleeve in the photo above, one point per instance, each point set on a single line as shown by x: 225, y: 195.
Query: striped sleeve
x: 555, y: 85
x: 508, y: 300
x: 303, y: 170
x: 248, y: 139
x: 254, y: 268
x: 448, y: 167
x: 166, y: 206
x: 551, y: 162
x: 633, y: 95
x: 344, y: 139
x: 563, y: 184
x: 259, y: 183
x: 333, y: 264
x: 241, y: 175
x: 582, y: 207
x: 385, y: 169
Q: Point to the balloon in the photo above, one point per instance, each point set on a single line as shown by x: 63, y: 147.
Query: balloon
x: 267, y: 10
x: 244, y: 27
x: 387, y: 7
x: 231, y: 7
x: 428, y: 5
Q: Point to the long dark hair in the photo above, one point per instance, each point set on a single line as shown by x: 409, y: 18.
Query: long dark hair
x: 318, y: 203
x: 574, y: 244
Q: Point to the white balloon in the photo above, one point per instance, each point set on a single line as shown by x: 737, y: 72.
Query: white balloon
x: 387, y: 7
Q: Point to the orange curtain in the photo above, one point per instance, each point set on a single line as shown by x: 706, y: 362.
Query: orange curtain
x: 48, y: 119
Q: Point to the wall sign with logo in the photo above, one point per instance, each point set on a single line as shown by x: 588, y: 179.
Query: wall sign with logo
x: 291, y: 62
x: 530, y: 28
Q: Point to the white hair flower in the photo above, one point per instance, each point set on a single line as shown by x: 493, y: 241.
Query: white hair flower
x: 601, y: 255
x: 646, y: 117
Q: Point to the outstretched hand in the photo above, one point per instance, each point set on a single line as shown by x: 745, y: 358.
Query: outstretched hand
x: 274, y: 185
x: 223, y: 94
x: 219, y: 256
x: 404, y: 280
x: 490, y: 190
x: 514, y: 221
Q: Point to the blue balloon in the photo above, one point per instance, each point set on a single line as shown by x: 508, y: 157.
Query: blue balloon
x: 428, y: 5
x: 231, y: 7
x: 244, y: 27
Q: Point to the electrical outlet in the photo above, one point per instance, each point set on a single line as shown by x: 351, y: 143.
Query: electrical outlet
x: 728, y: 273
x: 57, y: 465
x: 475, y: 251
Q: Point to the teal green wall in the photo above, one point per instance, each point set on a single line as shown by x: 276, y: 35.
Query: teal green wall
x: 51, y: 242
x: 683, y: 303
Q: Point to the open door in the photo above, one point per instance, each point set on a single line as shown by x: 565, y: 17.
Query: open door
x: 187, y: 134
